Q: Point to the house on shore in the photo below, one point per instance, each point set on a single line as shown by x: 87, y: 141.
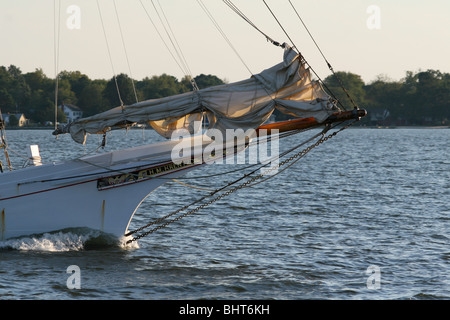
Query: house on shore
x: 379, y: 116
x: 71, y: 111
x: 19, y: 120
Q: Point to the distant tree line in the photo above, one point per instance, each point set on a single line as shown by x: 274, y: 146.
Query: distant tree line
x: 421, y: 98
x: 33, y: 93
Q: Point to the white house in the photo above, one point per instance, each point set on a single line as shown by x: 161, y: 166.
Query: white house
x: 71, y: 111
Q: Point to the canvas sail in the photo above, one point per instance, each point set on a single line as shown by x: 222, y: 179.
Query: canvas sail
x: 246, y: 104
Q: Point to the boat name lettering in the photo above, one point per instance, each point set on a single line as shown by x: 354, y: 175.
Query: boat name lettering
x: 135, y: 176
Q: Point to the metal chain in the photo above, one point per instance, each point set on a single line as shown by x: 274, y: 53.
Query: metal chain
x: 299, y: 155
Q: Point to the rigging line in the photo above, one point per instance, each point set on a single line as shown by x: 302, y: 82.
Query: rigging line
x: 178, y: 49
x: 208, y: 13
x: 173, y: 41
x: 109, y: 54
x: 215, y: 191
x: 270, y: 176
x: 267, y: 162
x: 162, y: 38
x: 252, y: 165
x: 185, y: 207
x: 293, y: 44
x: 125, y: 50
x: 210, y: 16
x: 300, y: 154
x: 318, y: 142
x: 233, y: 7
x: 281, y: 26
x: 328, y: 64
x: 186, y: 68
x: 189, y: 205
x: 56, y: 33
x: 312, y: 38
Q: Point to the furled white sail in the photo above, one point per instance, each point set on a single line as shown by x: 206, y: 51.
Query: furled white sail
x: 286, y: 86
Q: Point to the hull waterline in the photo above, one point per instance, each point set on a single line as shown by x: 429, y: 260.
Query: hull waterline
x: 85, y: 193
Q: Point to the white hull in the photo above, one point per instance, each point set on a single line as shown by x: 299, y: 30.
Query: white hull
x: 84, y: 192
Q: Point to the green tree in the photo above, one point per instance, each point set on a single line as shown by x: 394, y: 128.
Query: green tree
x: 91, y: 99
x: 13, y: 121
x: 159, y: 87
x: 6, y: 101
x: 19, y: 89
x: 205, y: 81
x: 125, y: 88
x: 14, y: 92
x: 41, y: 105
x: 77, y: 80
x: 65, y: 93
x: 428, y: 95
x: 384, y: 94
x: 352, y: 83
x: 38, y: 80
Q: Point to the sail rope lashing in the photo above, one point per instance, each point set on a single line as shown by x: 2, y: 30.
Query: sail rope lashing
x: 251, y: 181
x: 279, y: 23
x: 109, y: 54
x: 233, y: 7
x: 181, y: 61
x: 125, y: 51
x: 323, y: 55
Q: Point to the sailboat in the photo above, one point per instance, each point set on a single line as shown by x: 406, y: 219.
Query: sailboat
x: 103, y: 191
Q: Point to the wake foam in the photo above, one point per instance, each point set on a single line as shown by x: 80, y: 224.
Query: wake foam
x: 73, y: 239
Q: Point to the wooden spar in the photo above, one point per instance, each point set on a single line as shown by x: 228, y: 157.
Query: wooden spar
x: 304, y: 123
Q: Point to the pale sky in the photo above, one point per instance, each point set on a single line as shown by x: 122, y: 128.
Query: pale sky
x: 403, y: 35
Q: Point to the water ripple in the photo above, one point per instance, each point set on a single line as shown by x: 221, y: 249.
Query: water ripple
x: 366, y: 198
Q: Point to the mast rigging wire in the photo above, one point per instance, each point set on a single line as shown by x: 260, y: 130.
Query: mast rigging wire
x: 328, y: 64
x: 56, y: 33
x: 320, y: 80
x: 176, y: 45
x: 233, y: 7
x: 181, y: 61
x: 125, y: 50
x: 222, y: 33
x: 214, y: 21
x: 109, y: 54
x: 243, y: 16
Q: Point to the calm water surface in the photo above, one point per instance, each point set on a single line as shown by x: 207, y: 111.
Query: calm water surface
x: 365, y: 198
